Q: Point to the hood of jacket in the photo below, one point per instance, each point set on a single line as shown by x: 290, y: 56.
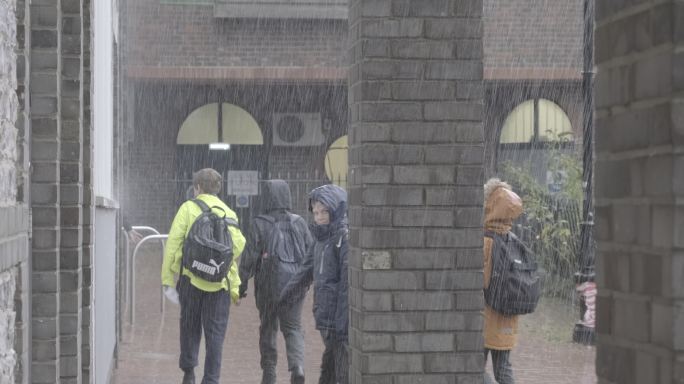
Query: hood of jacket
x: 334, y: 198
x: 276, y: 196
x: 502, y: 207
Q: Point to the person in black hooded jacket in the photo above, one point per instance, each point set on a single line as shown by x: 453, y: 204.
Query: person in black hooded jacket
x: 264, y: 260
x: 326, y: 266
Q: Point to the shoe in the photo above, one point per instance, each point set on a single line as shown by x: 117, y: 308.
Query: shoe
x: 297, y: 376
x: 189, y: 377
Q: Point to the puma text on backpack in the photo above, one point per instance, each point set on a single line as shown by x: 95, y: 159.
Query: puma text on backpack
x: 515, y: 285
x: 283, y: 252
x: 208, y: 248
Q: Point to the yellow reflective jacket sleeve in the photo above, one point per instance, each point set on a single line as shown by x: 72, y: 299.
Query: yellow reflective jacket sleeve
x: 173, y: 254
x: 234, y: 273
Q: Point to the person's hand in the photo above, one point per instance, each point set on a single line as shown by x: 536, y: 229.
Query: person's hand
x: 134, y: 236
x: 171, y: 294
x: 243, y: 291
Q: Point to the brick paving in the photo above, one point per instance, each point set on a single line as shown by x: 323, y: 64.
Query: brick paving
x: 149, y: 351
x: 545, y: 352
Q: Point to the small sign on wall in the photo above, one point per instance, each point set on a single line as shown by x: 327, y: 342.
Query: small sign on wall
x: 242, y: 201
x: 242, y: 183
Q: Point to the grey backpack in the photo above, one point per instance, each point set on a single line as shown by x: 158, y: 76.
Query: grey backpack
x: 208, y: 247
x: 515, y: 284
x: 283, y: 252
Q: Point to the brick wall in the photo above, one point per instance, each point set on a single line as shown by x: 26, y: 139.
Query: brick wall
x: 46, y: 70
x: 162, y: 34
x: 71, y: 188
x: 522, y: 38
x: 532, y: 38
x: 88, y: 203
x: 639, y: 190
x: 61, y: 190
x: 416, y: 175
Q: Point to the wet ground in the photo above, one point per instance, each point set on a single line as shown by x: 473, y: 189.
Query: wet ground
x: 149, y: 351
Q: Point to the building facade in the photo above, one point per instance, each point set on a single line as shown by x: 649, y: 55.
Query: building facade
x: 199, y: 52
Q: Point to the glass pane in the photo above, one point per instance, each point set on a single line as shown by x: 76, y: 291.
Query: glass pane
x: 200, y: 127
x: 336, y: 162
x: 239, y: 127
x: 519, y: 125
x: 554, y: 123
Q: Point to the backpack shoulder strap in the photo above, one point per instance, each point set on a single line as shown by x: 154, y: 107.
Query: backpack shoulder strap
x: 267, y: 218
x: 203, y: 206
x: 291, y: 217
x: 268, y: 233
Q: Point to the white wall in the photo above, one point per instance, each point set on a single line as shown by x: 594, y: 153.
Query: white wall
x: 103, y: 96
x: 104, y: 290
x: 103, y: 296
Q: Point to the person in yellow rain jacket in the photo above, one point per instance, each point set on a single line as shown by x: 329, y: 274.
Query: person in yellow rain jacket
x: 204, y: 304
x: 502, y: 207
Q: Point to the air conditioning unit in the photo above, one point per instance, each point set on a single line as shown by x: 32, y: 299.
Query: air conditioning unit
x: 297, y: 129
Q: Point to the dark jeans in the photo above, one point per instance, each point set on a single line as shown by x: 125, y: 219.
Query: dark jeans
x: 335, y: 361
x: 289, y: 319
x: 206, y: 311
x: 503, y: 371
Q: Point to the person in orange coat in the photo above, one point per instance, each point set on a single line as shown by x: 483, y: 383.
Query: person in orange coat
x: 502, y: 206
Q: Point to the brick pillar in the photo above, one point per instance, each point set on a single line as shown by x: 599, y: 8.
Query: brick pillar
x: 71, y: 184
x: 88, y: 208
x: 416, y: 175
x: 46, y: 76
x: 640, y: 191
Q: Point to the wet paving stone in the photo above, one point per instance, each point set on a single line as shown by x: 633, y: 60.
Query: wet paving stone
x: 149, y: 351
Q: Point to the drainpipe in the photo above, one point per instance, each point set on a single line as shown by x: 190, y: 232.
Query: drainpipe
x: 584, y: 331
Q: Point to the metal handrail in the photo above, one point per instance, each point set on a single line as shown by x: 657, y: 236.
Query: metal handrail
x: 128, y: 293
x: 135, y: 254
x: 145, y: 228
x: 126, y: 257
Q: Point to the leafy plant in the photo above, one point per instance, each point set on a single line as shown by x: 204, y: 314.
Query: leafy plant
x: 551, y: 221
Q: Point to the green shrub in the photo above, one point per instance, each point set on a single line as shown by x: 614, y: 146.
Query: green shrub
x: 551, y: 223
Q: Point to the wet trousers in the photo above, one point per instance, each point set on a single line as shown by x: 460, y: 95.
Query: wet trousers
x: 206, y: 311
x: 335, y: 361
x: 503, y: 371
x: 288, y: 318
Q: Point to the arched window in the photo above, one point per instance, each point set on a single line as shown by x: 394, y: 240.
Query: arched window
x: 238, y: 127
x: 336, y: 164
x: 535, y: 121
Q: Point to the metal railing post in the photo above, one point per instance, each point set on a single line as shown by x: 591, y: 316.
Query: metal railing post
x: 133, y: 259
x: 128, y: 258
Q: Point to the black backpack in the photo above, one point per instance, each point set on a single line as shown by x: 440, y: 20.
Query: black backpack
x: 208, y: 247
x: 515, y: 285
x: 284, y: 251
